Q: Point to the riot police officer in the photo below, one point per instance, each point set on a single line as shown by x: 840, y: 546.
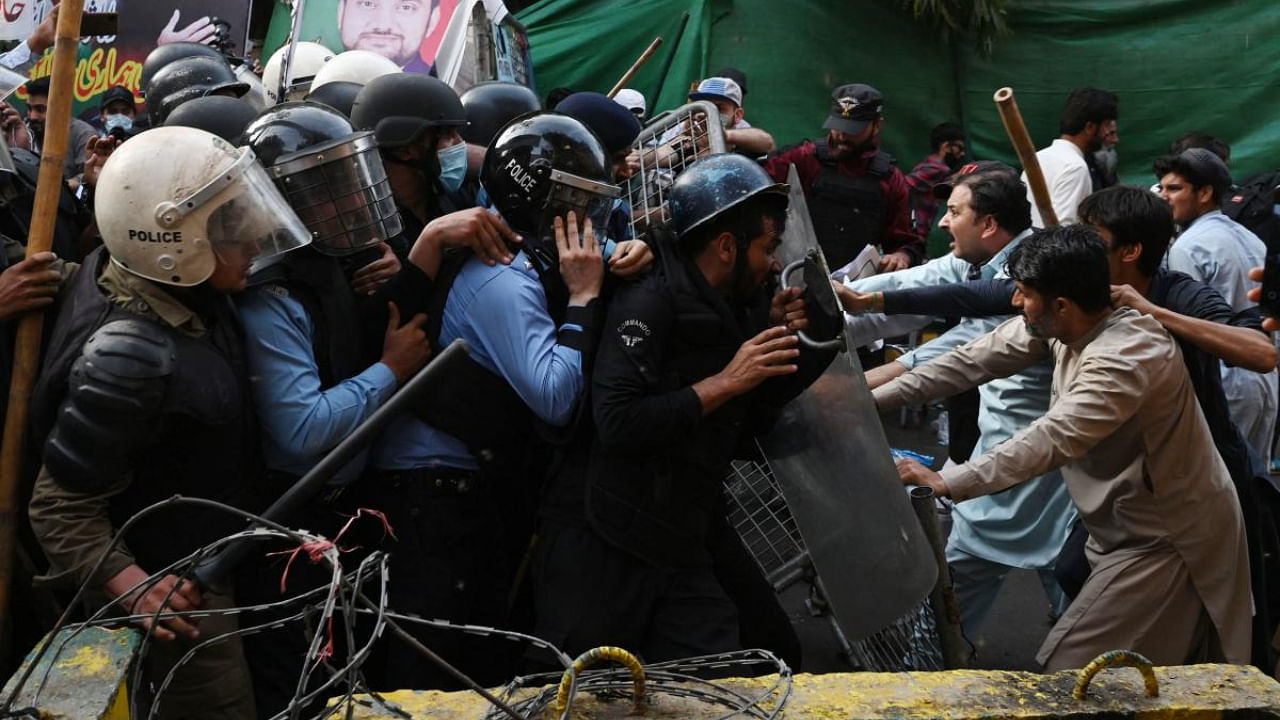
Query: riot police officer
x: 315, y: 376
x: 416, y: 120
x: 145, y: 394
x: 186, y: 79
x: 694, y: 356
x: 466, y: 467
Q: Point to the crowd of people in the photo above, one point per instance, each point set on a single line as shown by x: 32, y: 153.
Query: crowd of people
x: 235, y: 289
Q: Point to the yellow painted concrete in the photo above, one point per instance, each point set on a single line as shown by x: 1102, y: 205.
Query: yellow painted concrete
x: 1200, y: 691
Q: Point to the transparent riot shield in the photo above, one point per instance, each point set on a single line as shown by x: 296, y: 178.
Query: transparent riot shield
x: 825, y: 505
x: 664, y: 148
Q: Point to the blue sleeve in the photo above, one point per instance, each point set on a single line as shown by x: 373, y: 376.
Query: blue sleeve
x: 514, y: 330
x: 946, y: 269
x: 963, y: 334
x: 299, y: 419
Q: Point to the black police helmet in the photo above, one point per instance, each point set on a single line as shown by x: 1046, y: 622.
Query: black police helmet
x: 715, y: 184
x: 165, y: 54
x: 400, y: 107
x: 186, y: 79
x: 338, y: 95
x: 491, y: 105
x: 536, y: 157
x: 226, y: 117
x: 292, y: 127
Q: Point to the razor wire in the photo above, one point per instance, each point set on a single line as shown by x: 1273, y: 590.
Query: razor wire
x: 665, y: 147
x: 362, y: 592
x: 758, y: 511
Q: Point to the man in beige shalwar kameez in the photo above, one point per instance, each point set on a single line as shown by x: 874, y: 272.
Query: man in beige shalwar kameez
x: 1166, y: 540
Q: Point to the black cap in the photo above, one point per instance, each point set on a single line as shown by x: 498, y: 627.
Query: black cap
x: 735, y: 75
x: 853, y: 107
x: 117, y: 93
x: 1204, y: 167
x: 942, y: 190
x: 616, y: 127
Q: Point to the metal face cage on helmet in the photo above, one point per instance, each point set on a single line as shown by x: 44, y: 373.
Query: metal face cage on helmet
x: 341, y: 192
x: 586, y: 199
x: 332, y: 176
x: 176, y: 200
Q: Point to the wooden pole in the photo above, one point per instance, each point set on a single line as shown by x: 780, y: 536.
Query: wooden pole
x: 635, y: 66
x: 26, y: 355
x: 1026, y: 150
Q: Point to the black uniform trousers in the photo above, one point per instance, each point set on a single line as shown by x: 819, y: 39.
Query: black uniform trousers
x: 589, y: 593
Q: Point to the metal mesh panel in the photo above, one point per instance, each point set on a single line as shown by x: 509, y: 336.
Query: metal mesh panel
x: 910, y: 643
x: 759, y: 513
x: 665, y: 148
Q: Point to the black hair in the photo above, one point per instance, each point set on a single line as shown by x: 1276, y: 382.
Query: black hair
x: 999, y: 193
x: 1179, y: 165
x: 1197, y: 139
x: 39, y: 86
x: 555, y: 96
x: 744, y: 221
x: 1068, y: 261
x: 1133, y: 216
x: 946, y: 132
x: 1087, y: 105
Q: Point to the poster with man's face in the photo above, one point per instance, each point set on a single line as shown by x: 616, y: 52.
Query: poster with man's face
x: 408, y: 32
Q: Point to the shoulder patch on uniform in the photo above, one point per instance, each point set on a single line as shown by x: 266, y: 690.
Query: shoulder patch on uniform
x: 279, y: 291
x: 633, y: 332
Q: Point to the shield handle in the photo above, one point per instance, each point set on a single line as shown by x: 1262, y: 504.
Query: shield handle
x: 833, y: 344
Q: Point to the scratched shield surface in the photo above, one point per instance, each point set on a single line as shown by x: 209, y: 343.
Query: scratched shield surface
x: 829, y: 453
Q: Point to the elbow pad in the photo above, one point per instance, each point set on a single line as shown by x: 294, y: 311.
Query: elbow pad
x: 115, y: 391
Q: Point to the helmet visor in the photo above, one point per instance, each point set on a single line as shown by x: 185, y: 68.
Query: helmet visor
x: 340, y: 191
x: 587, y: 199
x: 254, y: 223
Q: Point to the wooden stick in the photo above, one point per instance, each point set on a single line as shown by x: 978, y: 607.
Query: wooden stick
x: 635, y: 66
x: 26, y: 355
x: 1026, y: 150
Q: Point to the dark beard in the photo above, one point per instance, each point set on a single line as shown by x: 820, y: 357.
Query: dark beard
x: 954, y: 162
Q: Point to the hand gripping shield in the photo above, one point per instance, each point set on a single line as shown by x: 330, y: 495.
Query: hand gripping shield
x: 839, y: 487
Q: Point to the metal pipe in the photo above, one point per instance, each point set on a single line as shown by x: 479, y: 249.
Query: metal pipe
x: 942, y: 599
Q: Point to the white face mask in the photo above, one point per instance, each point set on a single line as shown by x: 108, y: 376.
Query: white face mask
x: 117, y: 120
x: 726, y: 121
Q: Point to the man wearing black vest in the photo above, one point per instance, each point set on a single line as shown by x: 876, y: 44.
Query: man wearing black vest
x: 856, y: 195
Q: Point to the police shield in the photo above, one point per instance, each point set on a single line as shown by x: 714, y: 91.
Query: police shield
x: 832, y: 462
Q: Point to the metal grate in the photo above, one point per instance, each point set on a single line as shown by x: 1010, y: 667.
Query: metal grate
x: 666, y: 146
x: 910, y: 643
x: 759, y: 513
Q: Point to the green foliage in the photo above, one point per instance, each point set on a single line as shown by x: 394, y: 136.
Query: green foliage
x: 983, y: 20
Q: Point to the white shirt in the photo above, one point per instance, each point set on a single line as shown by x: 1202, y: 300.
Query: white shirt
x: 19, y: 59
x: 1067, y: 177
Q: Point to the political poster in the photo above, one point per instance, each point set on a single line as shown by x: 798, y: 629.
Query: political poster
x: 107, y: 61
x: 408, y: 32
x: 460, y: 41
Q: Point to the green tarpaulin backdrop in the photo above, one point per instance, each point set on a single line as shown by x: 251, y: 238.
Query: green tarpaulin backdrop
x: 1177, y: 65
